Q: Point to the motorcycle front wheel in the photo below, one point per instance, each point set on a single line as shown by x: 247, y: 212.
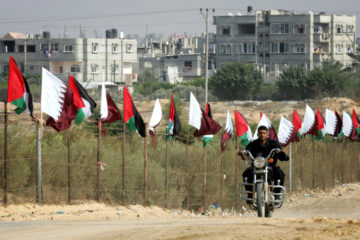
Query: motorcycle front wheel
x: 260, y: 199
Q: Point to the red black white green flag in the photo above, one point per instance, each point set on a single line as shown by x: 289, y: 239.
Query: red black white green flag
x: 349, y: 129
x: 57, y: 101
x: 109, y: 112
x: 199, y: 119
x: 339, y: 125
x: 243, y: 130
x: 174, y: 125
x: 84, y: 103
x: 287, y: 132
x: 207, y: 138
x: 228, y: 132
x: 132, y: 118
x: 320, y: 123
x: 296, y: 121
x: 356, y: 122
x: 18, y: 90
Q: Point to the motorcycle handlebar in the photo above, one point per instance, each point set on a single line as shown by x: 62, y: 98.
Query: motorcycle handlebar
x: 248, y: 153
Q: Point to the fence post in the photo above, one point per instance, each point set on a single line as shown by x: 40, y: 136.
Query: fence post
x: 333, y: 162
x: 38, y: 156
x: 145, y: 166
x: 342, y: 159
x: 166, y: 172
x: 290, y: 167
x: 323, y: 163
x: 302, y: 162
x: 187, y: 172
x: 69, y: 165
x: 98, y: 162
x: 221, y: 179
x: 5, y: 151
x: 123, y: 164
x: 204, y: 179
x: 313, y: 162
x: 236, y: 175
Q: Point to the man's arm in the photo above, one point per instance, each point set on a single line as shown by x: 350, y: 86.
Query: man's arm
x: 280, y: 155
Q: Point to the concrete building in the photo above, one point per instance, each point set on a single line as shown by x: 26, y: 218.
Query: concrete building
x: 276, y: 39
x: 87, y: 59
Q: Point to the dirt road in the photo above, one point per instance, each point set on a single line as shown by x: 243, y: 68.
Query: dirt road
x: 324, y: 215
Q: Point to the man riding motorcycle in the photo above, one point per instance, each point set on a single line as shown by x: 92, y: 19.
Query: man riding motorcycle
x: 262, y: 147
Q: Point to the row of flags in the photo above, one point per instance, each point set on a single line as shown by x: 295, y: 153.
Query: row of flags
x: 64, y: 103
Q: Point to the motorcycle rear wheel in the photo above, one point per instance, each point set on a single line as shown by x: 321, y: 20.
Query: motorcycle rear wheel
x: 260, y: 199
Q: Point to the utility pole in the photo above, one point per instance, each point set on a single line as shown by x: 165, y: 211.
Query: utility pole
x: 25, y: 46
x: 206, y: 16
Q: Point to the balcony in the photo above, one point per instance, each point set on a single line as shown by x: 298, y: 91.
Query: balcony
x: 322, y: 37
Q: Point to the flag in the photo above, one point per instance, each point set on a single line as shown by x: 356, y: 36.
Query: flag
x: 200, y: 120
x: 109, y: 112
x: 264, y: 121
x: 84, y: 103
x: 349, y: 129
x: 339, y: 123
x: 243, y: 130
x: 309, y: 125
x: 296, y: 121
x: 287, y: 132
x: 57, y: 102
x: 331, y: 122
x: 155, y: 120
x: 355, y: 121
x: 132, y: 118
x: 18, y: 90
x: 174, y: 125
x: 227, y: 134
x: 320, y: 123
x: 207, y: 138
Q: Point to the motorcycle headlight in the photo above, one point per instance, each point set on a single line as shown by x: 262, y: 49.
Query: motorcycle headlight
x: 259, y: 162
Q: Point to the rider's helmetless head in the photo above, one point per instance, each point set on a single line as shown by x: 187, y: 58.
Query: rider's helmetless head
x: 263, y: 133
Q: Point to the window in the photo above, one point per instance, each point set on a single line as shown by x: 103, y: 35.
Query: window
x: 299, y: 28
x: 339, y: 48
x: 31, y: 48
x: 188, y: 64
x: 223, y: 49
x: 68, y: 48
x: 31, y: 68
x: 115, y: 48
x: 129, y: 48
x: 241, y: 48
x: 114, y: 68
x: 6, y: 68
x: 280, y: 28
x: 228, y: 49
x: 284, y: 47
x: 350, y: 28
x: 226, y: 30
x: 275, y: 47
x: 94, y: 68
x: 21, y: 48
x: 44, y: 47
x: 339, y: 28
x: 299, y: 48
x: 54, y: 47
x: 95, y: 47
x: 249, y: 47
x: 75, y: 69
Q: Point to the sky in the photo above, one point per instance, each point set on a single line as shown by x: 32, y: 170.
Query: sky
x: 140, y: 16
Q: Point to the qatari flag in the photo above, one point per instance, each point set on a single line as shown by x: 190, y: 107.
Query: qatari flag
x: 287, y: 132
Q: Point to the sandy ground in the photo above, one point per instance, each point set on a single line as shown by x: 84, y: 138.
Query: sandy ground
x: 333, y: 214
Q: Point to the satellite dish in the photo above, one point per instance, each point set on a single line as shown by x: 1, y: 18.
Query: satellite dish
x: 249, y: 9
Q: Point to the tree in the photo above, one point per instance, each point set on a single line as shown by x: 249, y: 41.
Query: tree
x: 292, y: 83
x: 236, y: 80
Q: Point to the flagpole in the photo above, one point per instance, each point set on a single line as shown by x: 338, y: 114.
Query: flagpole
x: 38, y: 155
x: 98, y: 162
x: 145, y: 166
x: 342, y: 159
x: 323, y: 161
x: 236, y: 174
x: 302, y: 162
x: 5, y: 150
x: 123, y: 164
x: 333, y: 162
x: 290, y: 168
x: 166, y: 172
x: 313, y: 162
x: 204, y: 180
x: 221, y: 179
x: 187, y: 172
x: 69, y: 165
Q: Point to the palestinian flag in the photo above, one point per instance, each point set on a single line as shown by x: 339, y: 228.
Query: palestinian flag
x: 355, y: 121
x: 320, y: 125
x: 309, y: 124
x: 18, y: 90
x: 207, y: 138
x: 57, y: 102
x: 132, y: 118
x: 287, y: 132
x: 264, y: 121
x: 243, y: 130
x: 227, y: 134
x: 296, y: 121
x: 109, y: 112
x: 349, y: 129
x: 155, y: 120
x: 174, y: 125
x: 200, y: 119
x: 339, y: 125
x: 82, y: 101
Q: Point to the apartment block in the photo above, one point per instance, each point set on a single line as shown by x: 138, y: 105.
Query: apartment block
x: 275, y: 39
x: 87, y: 59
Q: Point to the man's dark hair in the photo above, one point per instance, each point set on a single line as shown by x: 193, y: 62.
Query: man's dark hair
x: 263, y: 128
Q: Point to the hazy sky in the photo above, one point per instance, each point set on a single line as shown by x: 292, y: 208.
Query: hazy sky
x: 132, y: 16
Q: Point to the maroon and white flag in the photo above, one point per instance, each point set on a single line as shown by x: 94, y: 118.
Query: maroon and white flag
x: 227, y: 134
x: 287, y: 132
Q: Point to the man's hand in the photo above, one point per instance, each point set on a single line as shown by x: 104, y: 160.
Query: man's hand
x: 242, y: 155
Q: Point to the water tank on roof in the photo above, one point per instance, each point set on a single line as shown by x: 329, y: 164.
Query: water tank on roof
x: 114, y: 32
x: 46, y: 34
x: 121, y: 35
x: 179, y: 44
x: 109, y: 33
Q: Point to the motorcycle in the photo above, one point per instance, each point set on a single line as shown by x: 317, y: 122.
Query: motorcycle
x: 266, y: 195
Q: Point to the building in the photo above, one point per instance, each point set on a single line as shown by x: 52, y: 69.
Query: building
x: 276, y: 39
x: 87, y: 59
